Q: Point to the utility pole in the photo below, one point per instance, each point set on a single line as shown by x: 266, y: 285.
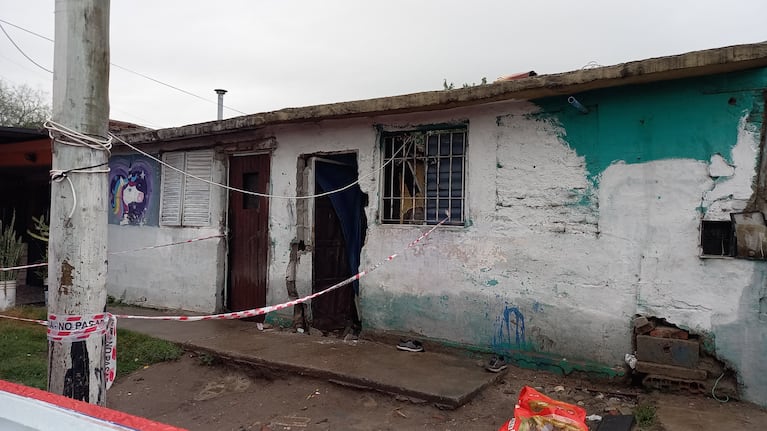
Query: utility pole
x: 77, y: 264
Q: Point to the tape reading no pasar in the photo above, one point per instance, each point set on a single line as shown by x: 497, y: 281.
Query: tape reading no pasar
x: 69, y: 328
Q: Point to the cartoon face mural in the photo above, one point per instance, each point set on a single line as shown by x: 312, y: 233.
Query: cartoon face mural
x: 133, y: 199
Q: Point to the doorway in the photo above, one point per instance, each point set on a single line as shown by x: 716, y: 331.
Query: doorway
x: 339, y: 233
x: 248, y: 233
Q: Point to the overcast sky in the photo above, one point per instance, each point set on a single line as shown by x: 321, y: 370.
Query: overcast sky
x: 281, y: 53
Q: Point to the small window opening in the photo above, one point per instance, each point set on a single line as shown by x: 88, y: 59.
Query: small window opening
x: 250, y: 183
x: 716, y: 238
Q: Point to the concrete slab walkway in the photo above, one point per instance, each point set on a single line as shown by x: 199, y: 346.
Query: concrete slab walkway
x: 446, y: 380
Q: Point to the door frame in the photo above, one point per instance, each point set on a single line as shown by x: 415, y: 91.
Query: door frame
x: 310, y: 180
x: 227, y: 222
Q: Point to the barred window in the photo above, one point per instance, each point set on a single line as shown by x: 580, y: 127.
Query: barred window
x: 423, y: 177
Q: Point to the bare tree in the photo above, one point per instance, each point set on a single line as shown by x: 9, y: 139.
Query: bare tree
x: 22, y: 106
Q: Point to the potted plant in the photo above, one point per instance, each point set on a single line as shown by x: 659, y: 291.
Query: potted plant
x: 11, y: 248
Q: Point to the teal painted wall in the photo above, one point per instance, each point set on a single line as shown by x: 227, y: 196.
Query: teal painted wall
x: 682, y: 119
x: 690, y: 118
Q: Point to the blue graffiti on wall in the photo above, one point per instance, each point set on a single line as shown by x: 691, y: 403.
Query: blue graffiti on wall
x: 502, y: 336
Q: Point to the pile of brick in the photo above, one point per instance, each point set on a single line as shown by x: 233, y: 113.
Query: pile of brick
x: 669, y: 357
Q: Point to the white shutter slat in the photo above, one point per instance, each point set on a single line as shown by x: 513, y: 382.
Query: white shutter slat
x: 172, y: 190
x: 196, y: 199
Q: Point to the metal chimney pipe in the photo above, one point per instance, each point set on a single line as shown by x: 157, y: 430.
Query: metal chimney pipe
x: 220, y: 93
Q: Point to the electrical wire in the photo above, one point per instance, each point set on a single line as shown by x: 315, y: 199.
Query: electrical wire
x: 189, y: 93
x: 248, y: 192
x: 28, y: 31
x: 176, y: 88
x: 713, y: 391
x: 22, y: 51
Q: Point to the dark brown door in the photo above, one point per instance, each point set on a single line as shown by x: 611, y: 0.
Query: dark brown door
x: 248, y: 232
x: 332, y: 310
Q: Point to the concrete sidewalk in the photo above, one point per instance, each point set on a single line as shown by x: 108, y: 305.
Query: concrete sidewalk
x: 448, y: 381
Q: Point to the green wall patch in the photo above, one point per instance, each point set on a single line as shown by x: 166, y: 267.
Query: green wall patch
x: 682, y: 119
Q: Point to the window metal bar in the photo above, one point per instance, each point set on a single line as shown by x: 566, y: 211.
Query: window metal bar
x: 414, y: 179
x: 393, y: 165
x: 420, y: 173
x: 450, y: 179
x: 439, y: 171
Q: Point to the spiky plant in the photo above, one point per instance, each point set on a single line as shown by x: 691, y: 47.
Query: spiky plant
x: 41, y: 232
x: 10, y: 249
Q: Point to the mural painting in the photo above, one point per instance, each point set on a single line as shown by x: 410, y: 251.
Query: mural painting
x: 134, y: 195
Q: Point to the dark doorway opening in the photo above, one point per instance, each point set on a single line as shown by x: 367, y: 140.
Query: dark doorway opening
x: 339, y: 233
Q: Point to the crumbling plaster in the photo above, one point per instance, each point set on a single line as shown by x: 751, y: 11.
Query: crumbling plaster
x: 572, y: 251
x: 574, y: 224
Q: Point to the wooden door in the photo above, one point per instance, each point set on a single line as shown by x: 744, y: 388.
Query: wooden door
x: 331, y: 311
x: 248, y: 233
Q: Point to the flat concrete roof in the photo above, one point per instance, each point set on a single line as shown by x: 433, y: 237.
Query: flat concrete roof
x: 692, y: 64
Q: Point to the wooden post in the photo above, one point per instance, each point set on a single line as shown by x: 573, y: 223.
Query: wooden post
x: 77, y: 265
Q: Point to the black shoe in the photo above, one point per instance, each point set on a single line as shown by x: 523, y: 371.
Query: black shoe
x: 497, y: 364
x: 410, y: 346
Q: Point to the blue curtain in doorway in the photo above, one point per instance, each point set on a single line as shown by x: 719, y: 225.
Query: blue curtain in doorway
x: 348, y: 204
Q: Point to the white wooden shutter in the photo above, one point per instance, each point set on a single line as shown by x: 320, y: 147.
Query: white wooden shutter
x: 196, y: 209
x: 172, y: 190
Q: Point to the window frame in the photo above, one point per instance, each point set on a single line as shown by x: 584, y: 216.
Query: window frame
x: 432, y: 197
x: 188, y: 203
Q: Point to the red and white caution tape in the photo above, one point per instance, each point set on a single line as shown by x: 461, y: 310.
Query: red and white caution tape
x: 78, y: 328
x: 151, y: 247
x: 39, y: 322
x: 264, y: 310
x: 69, y: 329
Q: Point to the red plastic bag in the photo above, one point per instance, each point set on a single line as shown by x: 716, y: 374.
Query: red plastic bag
x: 537, y: 412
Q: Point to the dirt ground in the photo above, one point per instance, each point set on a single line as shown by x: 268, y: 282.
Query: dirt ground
x: 197, y: 393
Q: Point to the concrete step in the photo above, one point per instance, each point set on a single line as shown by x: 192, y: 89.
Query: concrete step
x: 448, y: 381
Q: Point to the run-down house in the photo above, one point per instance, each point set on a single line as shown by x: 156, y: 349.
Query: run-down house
x: 576, y: 201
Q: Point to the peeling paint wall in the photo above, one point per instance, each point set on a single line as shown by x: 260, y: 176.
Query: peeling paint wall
x: 575, y: 223
x: 663, y: 157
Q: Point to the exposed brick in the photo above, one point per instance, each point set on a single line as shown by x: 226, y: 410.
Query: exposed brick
x: 671, y: 371
x: 669, y: 332
x: 669, y: 351
x: 642, y: 325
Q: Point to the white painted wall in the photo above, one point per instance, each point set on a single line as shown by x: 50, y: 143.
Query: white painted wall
x: 577, y: 260
x: 523, y: 248
x: 188, y: 276
x: 578, y: 270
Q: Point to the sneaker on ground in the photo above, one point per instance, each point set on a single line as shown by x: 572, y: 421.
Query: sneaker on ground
x: 410, y: 346
x: 497, y: 364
